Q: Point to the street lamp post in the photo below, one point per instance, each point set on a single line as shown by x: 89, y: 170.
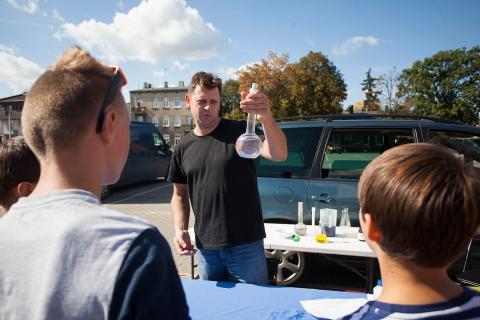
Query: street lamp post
x: 9, y: 110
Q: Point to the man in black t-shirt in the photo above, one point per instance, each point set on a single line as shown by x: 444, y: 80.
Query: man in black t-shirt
x: 222, y: 186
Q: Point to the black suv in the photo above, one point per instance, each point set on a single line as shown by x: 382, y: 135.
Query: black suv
x: 148, y: 158
x: 327, y: 154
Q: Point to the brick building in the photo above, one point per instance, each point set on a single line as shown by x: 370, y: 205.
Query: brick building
x: 10, y: 114
x: 164, y: 107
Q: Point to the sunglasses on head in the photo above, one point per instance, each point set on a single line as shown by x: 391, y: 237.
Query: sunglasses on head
x: 118, y: 77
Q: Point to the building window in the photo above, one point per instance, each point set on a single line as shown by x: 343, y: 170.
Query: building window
x: 189, y: 121
x: 177, y: 102
x: 165, y: 103
x: 155, y: 120
x: 139, y: 102
x: 177, y: 121
x: 166, y: 121
x: 140, y: 118
x: 166, y: 137
x: 155, y: 103
x: 177, y: 139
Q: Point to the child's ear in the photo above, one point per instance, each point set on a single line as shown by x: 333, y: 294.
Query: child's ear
x: 25, y: 188
x: 109, y: 125
x: 370, y: 228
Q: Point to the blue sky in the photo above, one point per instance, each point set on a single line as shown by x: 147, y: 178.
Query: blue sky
x: 169, y: 40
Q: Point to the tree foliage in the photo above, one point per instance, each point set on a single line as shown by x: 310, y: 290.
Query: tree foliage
x: 311, y: 86
x: 231, y: 99
x: 446, y: 85
x: 270, y: 74
x: 316, y: 87
x: 371, y: 88
x: 389, y: 93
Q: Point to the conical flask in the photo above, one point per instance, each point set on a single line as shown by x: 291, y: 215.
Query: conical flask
x: 345, y: 219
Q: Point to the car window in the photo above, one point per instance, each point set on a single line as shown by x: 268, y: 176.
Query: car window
x: 159, y: 142
x: 349, y: 151
x: 465, y: 143
x: 302, y: 145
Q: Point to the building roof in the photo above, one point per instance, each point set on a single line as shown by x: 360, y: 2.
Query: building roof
x: 159, y: 89
x: 15, y: 98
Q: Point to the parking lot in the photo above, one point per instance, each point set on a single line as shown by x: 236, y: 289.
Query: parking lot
x: 151, y: 201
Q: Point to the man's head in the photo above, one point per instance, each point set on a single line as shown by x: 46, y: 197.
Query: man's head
x: 19, y: 171
x: 421, y: 204
x: 75, y: 97
x: 203, y: 99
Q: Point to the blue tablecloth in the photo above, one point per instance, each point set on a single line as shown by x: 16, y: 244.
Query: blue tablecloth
x: 212, y: 300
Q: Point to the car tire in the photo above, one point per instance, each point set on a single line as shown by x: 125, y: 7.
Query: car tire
x: 291, y: 265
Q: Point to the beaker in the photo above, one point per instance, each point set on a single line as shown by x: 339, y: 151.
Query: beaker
x: 329, y: 221
x: 249, y: 145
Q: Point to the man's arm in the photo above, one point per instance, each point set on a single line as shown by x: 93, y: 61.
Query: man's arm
x: 275, y: 143
x: 181, y: 214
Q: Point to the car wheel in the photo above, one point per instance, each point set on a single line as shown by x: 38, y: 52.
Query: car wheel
x: 291, y: 265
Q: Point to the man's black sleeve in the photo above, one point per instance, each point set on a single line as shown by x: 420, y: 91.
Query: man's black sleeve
x: 148, y: 285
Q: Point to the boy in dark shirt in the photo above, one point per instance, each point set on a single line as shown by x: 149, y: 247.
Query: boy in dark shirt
x: 419, y: 209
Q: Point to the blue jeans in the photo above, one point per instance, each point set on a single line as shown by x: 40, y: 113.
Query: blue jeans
x: 243, y: 263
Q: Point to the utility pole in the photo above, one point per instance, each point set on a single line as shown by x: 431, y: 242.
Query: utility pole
x: 9, y: 110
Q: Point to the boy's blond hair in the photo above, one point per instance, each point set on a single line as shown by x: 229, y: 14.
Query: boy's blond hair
x: 425, y: 201
x: 64, y: 101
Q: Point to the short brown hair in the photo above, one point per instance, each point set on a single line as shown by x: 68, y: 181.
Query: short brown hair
x: 424, y: 200
x: 64, y: 101
x: 17, y: 164
x: 205, y: 80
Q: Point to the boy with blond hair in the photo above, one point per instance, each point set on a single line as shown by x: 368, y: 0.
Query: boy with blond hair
x: 19, y: 171
x: 63, y: 255
x: 419, y: 208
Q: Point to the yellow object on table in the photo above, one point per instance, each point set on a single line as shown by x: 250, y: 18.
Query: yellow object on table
x: 321, y: 238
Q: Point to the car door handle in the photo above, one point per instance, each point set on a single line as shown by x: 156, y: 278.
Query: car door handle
x: 323, y: 199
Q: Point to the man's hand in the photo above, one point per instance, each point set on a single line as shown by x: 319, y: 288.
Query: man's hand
x: 257, y: 103
x: 183, y: 243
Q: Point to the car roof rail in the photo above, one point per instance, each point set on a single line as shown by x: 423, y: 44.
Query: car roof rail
x: 332, y: 117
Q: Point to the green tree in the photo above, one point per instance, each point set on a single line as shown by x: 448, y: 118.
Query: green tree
x: 371, y: 88
x: 316, y: 86
x: 231, y: 99
x: 446, y: 85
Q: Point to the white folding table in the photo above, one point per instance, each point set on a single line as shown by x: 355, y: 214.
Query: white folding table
x: 337, y: 246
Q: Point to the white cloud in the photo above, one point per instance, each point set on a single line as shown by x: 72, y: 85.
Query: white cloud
x: 152, y: 31
x: 354, y: 43
x: 10, y: 50
x: 177, y: 65
x: 159, y: 74
x: 17, y: 73
x: 57, y: 15
x: 228, y: 72
x: 29, y: 6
